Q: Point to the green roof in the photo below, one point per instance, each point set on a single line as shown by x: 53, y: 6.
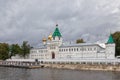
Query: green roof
x: 56, y: 32
x: 110, y: 40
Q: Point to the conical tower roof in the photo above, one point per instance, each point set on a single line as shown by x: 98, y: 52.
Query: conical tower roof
x: 110, y: 40
x: 57, y: 32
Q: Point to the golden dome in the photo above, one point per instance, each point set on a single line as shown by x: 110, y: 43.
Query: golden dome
x: 44, y: 39
x: 50, y: 37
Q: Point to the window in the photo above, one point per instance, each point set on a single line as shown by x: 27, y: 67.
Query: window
x: 41, y: 51
x: 69, y: 50
x: 94, y: 48
x: 64, y: 49
x: 77, y: 49
x: 59, y: 38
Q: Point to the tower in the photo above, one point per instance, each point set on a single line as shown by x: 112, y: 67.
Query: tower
x: 110, y: 48
x: 54, y: 41
x: 57, y: 37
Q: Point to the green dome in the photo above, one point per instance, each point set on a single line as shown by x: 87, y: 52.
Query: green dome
x: 110, y: 40
x: 56, y: 32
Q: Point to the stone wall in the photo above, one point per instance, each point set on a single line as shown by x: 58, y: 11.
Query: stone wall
x: 84, y: 67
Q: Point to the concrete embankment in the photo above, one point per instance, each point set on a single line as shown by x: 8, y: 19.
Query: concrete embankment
x: 16, y: 64
x: 102, y: 67
x: 105, y: 65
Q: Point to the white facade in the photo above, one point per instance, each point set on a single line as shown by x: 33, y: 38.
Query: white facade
x: 55, y: 49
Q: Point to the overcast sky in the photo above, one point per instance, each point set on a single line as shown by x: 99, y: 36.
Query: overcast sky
x: 30, y: 20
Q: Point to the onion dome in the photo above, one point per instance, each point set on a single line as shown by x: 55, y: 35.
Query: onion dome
x: 44, y: 39
x: 50, y: 37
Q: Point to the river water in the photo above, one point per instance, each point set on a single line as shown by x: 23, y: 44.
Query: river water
x: 55, y: 74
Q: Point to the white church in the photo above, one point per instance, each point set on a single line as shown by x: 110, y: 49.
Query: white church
x: 54, y: 49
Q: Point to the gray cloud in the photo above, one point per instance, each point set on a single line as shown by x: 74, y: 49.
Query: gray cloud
x: 33, y: 19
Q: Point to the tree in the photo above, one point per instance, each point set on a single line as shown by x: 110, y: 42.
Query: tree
x: 116, y: 37
x: 15, y: 49
x: 80, y: 41
x: 4, y: 51
x: 25, y: 48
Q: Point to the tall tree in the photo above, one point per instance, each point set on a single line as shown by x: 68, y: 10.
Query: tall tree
x: 80, y: 41
x: 15, y: 49
x: 116, y: 37
x: 4, y: 51
x: 25, y: 48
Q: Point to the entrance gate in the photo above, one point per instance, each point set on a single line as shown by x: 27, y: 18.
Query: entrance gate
x: 53, y: 55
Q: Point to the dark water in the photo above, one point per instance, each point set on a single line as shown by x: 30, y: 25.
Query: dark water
x: 55, y: 74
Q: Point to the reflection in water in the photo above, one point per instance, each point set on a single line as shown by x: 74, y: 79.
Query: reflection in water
x: 55, y: 74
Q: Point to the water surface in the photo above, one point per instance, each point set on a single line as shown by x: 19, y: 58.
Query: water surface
x: 55, y: 74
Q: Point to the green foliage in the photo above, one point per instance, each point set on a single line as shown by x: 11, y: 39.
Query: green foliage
x: 15, y: 49
x: 116, y: 37
x: 4, y: 51
x: 25, y: 48
x: 80, y: 41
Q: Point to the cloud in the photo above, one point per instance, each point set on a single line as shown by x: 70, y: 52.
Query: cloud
x: 33, y: 19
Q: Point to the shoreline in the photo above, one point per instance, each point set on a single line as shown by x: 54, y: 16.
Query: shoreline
x: 110, y: 65
x: 26, y: 65
x: 84, y: 67
x: 89, y: 67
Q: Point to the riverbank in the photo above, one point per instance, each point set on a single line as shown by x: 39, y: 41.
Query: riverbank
x: 72, y: 66
x: 101, y: 67
x: 82, y: 64
x: 26, y: 67
x: 16, y: 64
